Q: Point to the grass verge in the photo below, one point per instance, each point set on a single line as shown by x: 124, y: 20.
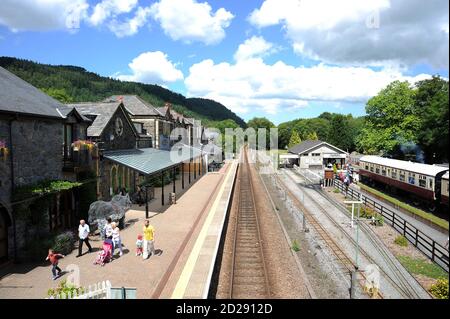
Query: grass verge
x: 422, y: 267
x: 413, y: 210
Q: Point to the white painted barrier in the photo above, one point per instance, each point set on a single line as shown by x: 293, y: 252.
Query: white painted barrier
x: 101, y: 290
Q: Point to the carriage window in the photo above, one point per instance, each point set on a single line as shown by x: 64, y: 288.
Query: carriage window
x: 377, y: 170
x: 431, y: 183
x: 411, y: 179
x: 394, y: 175
x: 383, y: 172
x: 371, y: 168
x: 367, y: 167
x: 402, y: 177
x: 422, y: 183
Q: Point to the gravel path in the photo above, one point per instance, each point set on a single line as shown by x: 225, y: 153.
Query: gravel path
x: 433, y: 233
x: 389, y: 288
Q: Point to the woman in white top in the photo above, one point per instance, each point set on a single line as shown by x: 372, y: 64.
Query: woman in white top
x: 116, y: 238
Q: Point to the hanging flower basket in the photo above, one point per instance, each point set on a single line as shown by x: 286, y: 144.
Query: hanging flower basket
x: 3, y: 150
x: 83, y: 145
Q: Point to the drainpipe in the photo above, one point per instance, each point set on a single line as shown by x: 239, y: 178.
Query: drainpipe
x: 12, y: 187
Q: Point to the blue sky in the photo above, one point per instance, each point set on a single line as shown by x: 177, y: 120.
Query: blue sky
x: 279, y: 59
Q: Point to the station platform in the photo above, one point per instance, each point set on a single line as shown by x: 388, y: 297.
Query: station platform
x: 187, y: 235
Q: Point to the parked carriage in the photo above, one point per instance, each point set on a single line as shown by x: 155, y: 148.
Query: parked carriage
x: 423, y: 183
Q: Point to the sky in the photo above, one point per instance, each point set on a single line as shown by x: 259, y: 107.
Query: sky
x: 281, y: 59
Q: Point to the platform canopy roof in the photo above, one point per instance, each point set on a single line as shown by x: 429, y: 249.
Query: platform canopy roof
x: 151, y: 160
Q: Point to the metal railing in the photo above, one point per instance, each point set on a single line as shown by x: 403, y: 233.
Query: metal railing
x: 430, y: 248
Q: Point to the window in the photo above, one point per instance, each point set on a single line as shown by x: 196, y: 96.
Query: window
x: 315, y: 154
x: 371, y: 168
x: 377, y: 170
x: 402, y: 177
x: 394, y: 174
x: 431, y: 183
x: 422, y: 181
x: 383, y: 171
x: 366, y: 167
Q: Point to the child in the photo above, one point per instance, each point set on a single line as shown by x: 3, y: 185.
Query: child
x: 139, y: 245
x: 53, y: 257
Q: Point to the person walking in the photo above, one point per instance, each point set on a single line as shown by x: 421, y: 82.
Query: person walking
x: 149, y: 240
x: 116, y: 238
x: 53, y: 257
x: 83, y: 234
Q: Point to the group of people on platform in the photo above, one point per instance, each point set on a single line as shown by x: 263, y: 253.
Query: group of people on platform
x: 112, y: 241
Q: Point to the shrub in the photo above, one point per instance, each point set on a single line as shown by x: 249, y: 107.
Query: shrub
x: 64, y: 243
x: 65, y: 288
x: 440, y: 289
x: 295, y: 245
x: 379, y: 220
x: 401, y: 241
x: 336, y: 190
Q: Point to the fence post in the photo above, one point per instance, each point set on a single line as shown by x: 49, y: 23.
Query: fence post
x: 432, y: 250
x: 404, y: 228
x: 417, y: 236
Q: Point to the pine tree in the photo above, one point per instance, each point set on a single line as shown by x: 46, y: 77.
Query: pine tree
x: 312, y: 136
x: 294, y: 140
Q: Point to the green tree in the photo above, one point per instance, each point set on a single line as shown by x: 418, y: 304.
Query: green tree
x: 294, y: 140
x: 431, y: 101
x: 341, y: 132
x: 391, y: 119
x: 58, y: 94
x: 312, y: 136
x: 261, y: 122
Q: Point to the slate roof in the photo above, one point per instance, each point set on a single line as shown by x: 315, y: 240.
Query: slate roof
x: 311, y: 144
x: 150, y: 160
x: 18, y: 96
x: 103, y: 113
x: 303, y: 146
x: 66, y: 110
x: 135, y: 105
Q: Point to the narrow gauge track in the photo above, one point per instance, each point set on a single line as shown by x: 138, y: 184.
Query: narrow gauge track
x: 248, y: 269
x: 400, y: 282
x: 337, y: 251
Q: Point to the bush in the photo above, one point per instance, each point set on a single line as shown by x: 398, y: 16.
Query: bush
x: 295, y: 245
x: 64, y: 243
x: 401, y: 241
x: 379, y: 220
x: 440, y: 289
x: 336, y: 190
x: 65, y: 288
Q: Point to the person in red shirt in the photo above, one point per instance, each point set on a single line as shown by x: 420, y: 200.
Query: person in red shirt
x: 53, y: 257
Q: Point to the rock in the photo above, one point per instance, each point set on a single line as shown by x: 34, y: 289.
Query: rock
x: 115, y: 209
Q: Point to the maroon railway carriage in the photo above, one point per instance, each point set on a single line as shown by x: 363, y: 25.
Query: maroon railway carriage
x: 422, y: 182
x: 444, y: 190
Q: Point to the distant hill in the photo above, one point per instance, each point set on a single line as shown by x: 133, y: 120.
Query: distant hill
x: 81, y: 85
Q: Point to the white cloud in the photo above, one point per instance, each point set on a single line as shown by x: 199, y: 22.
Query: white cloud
x: 251, y: 84
x: 362, y: 32
x: 190, y: 21
x: 131, y: 26
x: 256, y: 46
x: 152, y: 68
x: 42, y: 15
x: 110, y: 8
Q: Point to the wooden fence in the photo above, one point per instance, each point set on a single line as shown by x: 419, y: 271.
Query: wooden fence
x: 433, y: 250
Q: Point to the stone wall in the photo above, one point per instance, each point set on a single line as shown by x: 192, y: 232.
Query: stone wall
x: 5, y: 165
x: 125, y: 141
x: 37, y: 150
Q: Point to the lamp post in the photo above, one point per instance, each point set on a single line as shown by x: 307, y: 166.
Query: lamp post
x: 354, y: 272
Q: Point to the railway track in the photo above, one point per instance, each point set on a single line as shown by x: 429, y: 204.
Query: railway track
x: 340, y: 255
x: 248, y: 269
x: 400, y: 282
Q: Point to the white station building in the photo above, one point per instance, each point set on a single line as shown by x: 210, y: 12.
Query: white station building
x: 316, y: 155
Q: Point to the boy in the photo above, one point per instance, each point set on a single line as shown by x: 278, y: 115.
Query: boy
x: 53, y: 257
